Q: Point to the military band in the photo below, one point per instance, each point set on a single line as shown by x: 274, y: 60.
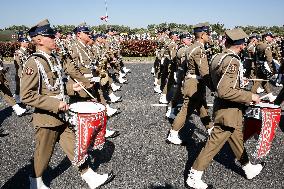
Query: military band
x: 88, y: 66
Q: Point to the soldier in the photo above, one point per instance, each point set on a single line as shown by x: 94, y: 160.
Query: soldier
x: 20, y: 57
x: 186, y: 40
x: 83, y: 56
x: 160, y: 57
x: 170, y: 66
x: 113, y: 46
x: 5, y: 91
x: 195, y: 82
x: 249, y: 58
x: 264, y: 65
x: 226, y: 73
x: 42, y: 87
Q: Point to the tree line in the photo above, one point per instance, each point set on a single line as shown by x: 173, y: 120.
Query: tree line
x: 219, y: 28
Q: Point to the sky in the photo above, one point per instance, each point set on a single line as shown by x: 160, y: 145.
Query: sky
x: 140, y: 13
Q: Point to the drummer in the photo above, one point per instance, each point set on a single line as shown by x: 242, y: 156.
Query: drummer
x: 42, y: 88
x: 226, y: 73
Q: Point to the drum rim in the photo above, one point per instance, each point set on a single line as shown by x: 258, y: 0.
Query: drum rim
x: 99, y: 110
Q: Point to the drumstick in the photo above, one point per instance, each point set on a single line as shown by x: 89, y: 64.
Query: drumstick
x: 85, y: 89
x: 258, y: 79
x: 264, y: 96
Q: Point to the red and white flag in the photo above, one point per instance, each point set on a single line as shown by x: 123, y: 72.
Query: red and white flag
x: 104, y: 18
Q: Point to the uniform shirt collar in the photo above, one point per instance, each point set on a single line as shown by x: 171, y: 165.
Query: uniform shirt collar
x: 200, y: 43
x: 23, y: 48
x: 45, y: 54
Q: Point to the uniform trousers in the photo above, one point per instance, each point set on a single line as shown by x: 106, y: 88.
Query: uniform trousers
x: 219, y: 136
x: 46, y: 138
x: 194, y: 99
x: 5, y: 92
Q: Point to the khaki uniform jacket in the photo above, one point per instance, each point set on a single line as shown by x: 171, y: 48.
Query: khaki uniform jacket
x: 230, y: 100
x: 264, y: 53
x: 181, y: 54
x: 20, y: 57
x: 35, y: 93
x: 82, y: 56
x: 198, y: 63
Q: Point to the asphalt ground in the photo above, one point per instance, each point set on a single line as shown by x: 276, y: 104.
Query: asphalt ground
x: 139, y: 157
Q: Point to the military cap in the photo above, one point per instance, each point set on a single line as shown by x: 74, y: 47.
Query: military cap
x: 201, y: 27
x: 42, y: 28
x: 23, y: 40
x: 253, y: 35
x: 110, y: 30
x: 185, y: 36
x: 236, y: 36
x: 82, y: 28
x: 165, y: 30
x: 267, y: 34
x: 174, y: 33
x: 57, y: 30
x: 95, y: 36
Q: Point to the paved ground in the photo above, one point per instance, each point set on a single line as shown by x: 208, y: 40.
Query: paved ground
x: 139, y: 157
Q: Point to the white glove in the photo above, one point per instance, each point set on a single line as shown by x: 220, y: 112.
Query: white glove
x: 95, y: 79
x: 210, y: 130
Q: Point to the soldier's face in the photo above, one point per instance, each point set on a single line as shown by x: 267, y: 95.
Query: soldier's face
x: 205, y: 37
x: 49, y: 42
x: 25, y: 44
x: 85, y: 37
x: 187, y: 41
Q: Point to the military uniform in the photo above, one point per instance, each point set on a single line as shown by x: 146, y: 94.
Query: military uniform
x: 249, y: 59
x: 182, y: 63
x: 263, y: 56
x: 4, y: 86
x: 169, y: 66
x: 20, y: 58
x: 227, y: 77
x: 45, y: 94
x: 42, y: 87
x: 196, y: 78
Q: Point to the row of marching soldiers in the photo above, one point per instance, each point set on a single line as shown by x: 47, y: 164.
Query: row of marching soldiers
x: 183, y: 69
x: 53, y: 77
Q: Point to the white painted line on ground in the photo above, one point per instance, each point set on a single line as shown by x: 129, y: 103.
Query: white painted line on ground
x: 162, y: 105
x: 210, y: 105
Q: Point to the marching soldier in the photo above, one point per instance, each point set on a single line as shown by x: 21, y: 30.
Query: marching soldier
x: 84, y: 58
x: 195, y: 82
x: 20, y: 57
x: 264, y: 65
x: 160, y: 57
x: 42, y: 87
x: 5, y: 91
x: 186, y: 40
x: 249, y: 59
x: 226, y: 73
x: 170, y: 66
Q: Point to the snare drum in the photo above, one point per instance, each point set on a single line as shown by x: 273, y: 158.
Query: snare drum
x: 262, y: 119
x: 88, y: 120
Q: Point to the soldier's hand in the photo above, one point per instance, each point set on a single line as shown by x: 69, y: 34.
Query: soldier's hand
x: 255, y: 98
x: 77, y: 86
x: 63, y: 106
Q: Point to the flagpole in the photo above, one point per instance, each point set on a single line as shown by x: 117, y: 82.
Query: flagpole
x: 106, y: 12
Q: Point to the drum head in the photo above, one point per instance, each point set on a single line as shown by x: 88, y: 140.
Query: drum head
x: 267, y: 105
x: 86, y: 107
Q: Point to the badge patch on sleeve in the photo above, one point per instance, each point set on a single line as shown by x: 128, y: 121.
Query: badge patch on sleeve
x: 203, y: 55
x: 29, y: 71
x: 232, y: 68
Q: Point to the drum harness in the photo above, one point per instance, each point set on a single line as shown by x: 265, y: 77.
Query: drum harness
x: 59, y: 82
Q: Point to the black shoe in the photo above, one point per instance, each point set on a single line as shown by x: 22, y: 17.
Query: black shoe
x: 3, y: 133
x: 109, y: 179
x: 208, y: 187
x: 115, y: 134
